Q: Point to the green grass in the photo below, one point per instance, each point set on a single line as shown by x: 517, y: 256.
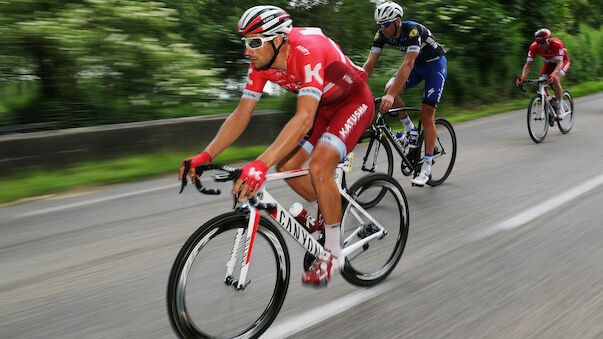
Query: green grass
x: 37, y: 183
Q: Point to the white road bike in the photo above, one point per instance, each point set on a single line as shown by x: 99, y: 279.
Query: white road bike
x: 218, y: 289
x: 541, y: 113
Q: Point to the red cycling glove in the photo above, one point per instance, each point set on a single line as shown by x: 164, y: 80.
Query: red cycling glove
x: 518, y: 81
x: 200, y: 159
x: 197, y: 160
x: 552, y: 77
x: 254, y: 175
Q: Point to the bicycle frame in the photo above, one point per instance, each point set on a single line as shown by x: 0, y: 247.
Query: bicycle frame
x: 380, y: 127
x: 544, y: 97
x: 290, y: 224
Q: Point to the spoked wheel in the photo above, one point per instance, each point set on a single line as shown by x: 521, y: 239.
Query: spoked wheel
x: 567, y: 123
x: 377, y: 159
x: 444, y: 151
x: 375, y: 260
x: 203, y: 302
x: 538, y: 124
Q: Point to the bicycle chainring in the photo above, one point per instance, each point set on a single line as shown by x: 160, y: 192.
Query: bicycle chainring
x: 309, y: 258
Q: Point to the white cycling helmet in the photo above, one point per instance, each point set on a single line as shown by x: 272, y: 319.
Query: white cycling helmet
x: 388, y: 11
x: 266, y: 20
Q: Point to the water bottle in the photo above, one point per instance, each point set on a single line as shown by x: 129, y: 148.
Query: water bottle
x: 300, y: 214
x: 413, y: 137
x: 402, y: 141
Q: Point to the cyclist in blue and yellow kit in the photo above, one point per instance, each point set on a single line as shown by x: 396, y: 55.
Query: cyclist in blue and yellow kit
x: 424, y: 60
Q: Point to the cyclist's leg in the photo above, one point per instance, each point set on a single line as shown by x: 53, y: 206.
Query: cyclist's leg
x: 350, y: 120
x: 298, y: 158
x: 547, y: 68
x: 557, y: 81
x: 413, y: 79
x: 346, y: 126
x: 435, y: 73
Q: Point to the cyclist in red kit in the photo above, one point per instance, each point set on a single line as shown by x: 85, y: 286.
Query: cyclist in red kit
x: 333, y: 102
x: 556, y: 63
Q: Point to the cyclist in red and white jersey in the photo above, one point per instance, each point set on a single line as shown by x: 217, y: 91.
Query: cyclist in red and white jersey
x: 556, y: 63
x: 334, y: 102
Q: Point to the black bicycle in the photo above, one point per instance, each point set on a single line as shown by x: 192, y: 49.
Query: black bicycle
x: 379, y: 156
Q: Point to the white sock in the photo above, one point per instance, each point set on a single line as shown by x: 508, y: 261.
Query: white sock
x: 332, y: 239
x: 426, y: 167
x: 408, y: 125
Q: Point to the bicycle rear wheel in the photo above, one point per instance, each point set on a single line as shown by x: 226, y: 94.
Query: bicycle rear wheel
x: 537, y: 119
x: 374, y: 261
x: 567, y: 123
x: 203, y: 303
x: 377, y: 159
x: 444, y: 152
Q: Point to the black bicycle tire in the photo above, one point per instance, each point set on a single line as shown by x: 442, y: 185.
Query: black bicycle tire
x: 384, y: 145
x: 225, y: 221
x: 546, y: 123
x: 559, y: 122
x: 448, y: 126
x: 348, y: 272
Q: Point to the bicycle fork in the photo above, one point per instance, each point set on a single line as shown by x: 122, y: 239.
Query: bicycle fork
x: 252, y: 227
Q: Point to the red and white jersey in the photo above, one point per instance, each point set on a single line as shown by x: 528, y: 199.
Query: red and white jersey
x: 316, y: 66
x: 552, y: 54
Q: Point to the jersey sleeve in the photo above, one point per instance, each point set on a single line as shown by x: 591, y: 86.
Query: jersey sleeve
x: 559, y: 52
x: 532, y: 52
x: 378, y: 42
x: 414, y: 39
x: 255, y: 84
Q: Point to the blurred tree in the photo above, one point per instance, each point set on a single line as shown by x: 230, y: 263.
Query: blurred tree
x: 97, y: 59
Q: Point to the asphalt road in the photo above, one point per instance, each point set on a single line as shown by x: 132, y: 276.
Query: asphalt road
x: 511, y: 245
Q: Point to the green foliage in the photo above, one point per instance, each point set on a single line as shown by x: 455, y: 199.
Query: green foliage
x: 97, y: 59
x: 105, y: 61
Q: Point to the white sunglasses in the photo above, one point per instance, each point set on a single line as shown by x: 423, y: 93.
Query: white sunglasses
x: 257, y: 42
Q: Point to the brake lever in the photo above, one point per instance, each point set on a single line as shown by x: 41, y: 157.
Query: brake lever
x: 187, y: 168
x: 521, y: 87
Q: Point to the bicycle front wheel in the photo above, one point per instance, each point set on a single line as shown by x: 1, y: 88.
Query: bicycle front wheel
x: 375, y: 260
x: 377, y: 159
x: 537, y: 119
x: 204, y: 302
x: 567, y: 123
x: 444, y: 151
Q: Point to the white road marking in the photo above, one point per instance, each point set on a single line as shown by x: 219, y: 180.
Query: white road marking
x: 542, y: 208
x: 93, y: 201
x: 300, y: 322
x: 315, y: 316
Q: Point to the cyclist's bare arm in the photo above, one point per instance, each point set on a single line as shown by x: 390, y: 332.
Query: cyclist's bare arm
x: 286, y: 141
x: 293, y: 132
x: 371, y: 62
x: 232, y: 127
x: 403, y: 73
x: 558, y: 68
x: 526, y: 69
x: 398, y: 86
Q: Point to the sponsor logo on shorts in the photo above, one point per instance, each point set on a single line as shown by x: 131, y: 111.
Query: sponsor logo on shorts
x: 351, y: 122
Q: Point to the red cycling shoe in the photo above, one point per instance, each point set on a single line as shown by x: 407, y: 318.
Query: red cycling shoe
x: 321, y: 271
